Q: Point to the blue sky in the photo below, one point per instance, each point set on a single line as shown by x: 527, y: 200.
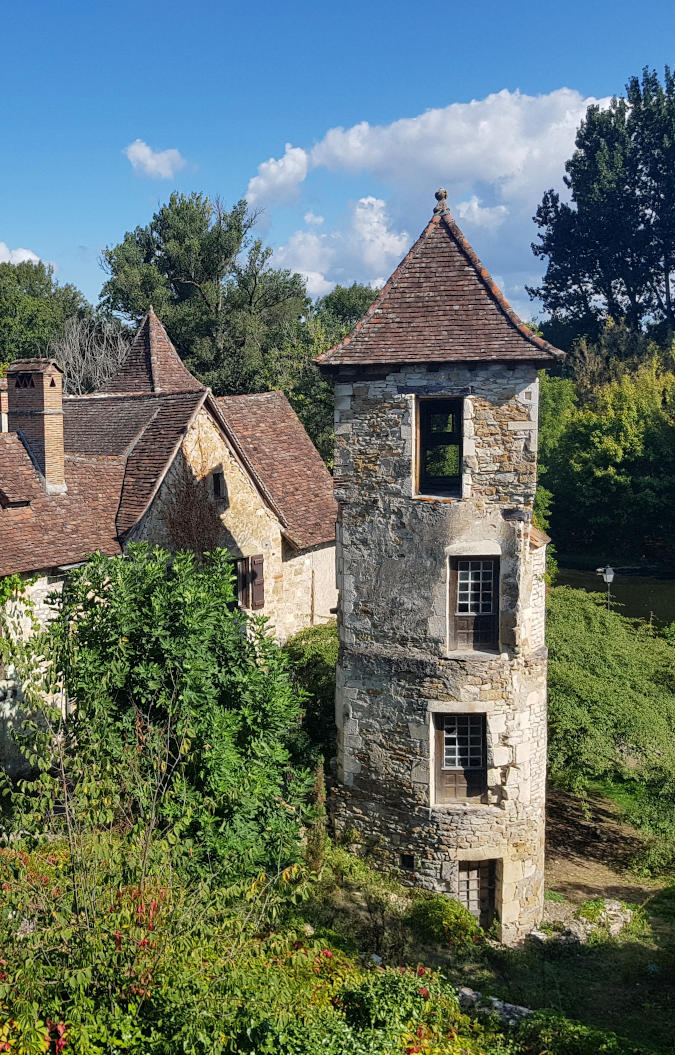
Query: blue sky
x: 338, y: 120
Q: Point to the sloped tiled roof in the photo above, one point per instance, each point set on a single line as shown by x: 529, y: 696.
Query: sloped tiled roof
x: 285, y: 463
x: 119, y: 446
x: 18, y: 480
x: 146, y: 429
x: 153, y: 364
x: 440, y: 305
x: 61, y: 529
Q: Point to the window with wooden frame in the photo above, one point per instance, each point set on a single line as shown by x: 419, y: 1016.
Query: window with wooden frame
x: 250, y: 582
x: 474, y: 603
x: 476, y: 889
x: 439, y: 446
x: 460, y: 749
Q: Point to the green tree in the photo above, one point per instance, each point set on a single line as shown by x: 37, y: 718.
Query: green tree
x: 184, y: 711
x: 34, y: 309
x: 341, y: 309
x: 611, y: 466
x: 291, y: 366
x: 224, y: 306
x: 611, y: 250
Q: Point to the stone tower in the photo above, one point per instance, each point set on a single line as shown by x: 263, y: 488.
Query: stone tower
x: 441, y: 690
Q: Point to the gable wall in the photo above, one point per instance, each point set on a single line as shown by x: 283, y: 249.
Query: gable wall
x: 185, y: 513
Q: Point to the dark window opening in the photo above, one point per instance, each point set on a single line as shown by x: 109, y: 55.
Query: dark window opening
x: 461, y: 757
x: 476, y: 889
x: 440, y: 446
x: 407, y: 862
x: 250, y: 582
x: 218, y: 485
x: 474, y: 603
x: 25, y: 381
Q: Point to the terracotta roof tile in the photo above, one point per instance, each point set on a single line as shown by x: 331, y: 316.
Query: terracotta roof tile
x: 62, y: 529
x: 19, y: 481
x: 285, y: 462
x: 153, y: 364
x: 440, y: 305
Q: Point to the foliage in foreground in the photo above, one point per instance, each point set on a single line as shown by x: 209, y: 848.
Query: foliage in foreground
x: 161, y: 709
x: 177, y: 966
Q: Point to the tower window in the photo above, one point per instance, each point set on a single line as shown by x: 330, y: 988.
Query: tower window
x: 474, y: 603
x: 407, y: 862
x: 476, y: 889
x: 440, y: 446
x: 461, y: 757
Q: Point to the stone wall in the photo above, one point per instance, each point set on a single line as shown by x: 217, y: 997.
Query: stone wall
x: 397, y: 666
x: 299, y: 586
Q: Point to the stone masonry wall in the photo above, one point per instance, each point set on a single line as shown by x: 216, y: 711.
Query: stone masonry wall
x: 243, y: 524
x: 396, y: 667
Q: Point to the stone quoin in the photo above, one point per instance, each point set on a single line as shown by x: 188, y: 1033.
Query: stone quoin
x: 441, y: 681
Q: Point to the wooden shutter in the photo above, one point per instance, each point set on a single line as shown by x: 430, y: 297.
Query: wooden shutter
x: 257, y: 583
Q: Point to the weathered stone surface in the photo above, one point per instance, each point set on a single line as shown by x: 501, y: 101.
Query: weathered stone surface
x: 396, y: 665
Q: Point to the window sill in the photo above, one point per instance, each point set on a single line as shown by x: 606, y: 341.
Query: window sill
x: 448, y: 498
x: 461, y: 807
x: 475, y: 653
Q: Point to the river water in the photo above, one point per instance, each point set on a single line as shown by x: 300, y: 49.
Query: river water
x: 631, y: 595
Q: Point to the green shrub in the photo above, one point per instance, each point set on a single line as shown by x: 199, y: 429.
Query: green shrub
x: 444, y: 921
x: 313, y: 655
x: 554, y: 1035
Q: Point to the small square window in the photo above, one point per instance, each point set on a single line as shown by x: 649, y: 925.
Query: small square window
x: 440, y: 446
x: 407, y: 862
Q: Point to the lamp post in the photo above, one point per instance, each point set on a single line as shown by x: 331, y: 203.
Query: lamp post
x: 608, y: 575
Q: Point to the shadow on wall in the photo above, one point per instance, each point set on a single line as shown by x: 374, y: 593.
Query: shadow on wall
x: 191, y: 513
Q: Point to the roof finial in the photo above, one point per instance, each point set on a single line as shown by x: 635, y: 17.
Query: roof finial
x: 441, y: 197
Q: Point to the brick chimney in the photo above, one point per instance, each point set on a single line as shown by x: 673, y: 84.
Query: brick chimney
x: 35, y: 391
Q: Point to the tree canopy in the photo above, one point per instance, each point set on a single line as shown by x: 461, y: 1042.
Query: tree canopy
x: 34, y: 309
x: 610, y: 251
x: 223, y: 304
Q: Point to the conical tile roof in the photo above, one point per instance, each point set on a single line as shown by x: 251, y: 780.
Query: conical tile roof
x: 440, y: 305
x: 153, y: 364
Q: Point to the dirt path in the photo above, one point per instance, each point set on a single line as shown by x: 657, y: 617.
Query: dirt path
x: 588, y: 851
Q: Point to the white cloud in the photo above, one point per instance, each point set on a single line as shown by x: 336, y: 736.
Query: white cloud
x: 512, y: 141
x: 495, y: 155
x: 159, y: 164
x: 326, y: 258
x: 16, y: 256
x: 311, y: 218
x: 471, y: 211
x: 278, y: 180
x: 377, y: 246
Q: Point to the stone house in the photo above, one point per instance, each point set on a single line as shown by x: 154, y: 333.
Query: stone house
x: 155, y: 456
x: 441, y: 690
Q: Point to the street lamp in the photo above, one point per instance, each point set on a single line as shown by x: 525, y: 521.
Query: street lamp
x: 608, y: 575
